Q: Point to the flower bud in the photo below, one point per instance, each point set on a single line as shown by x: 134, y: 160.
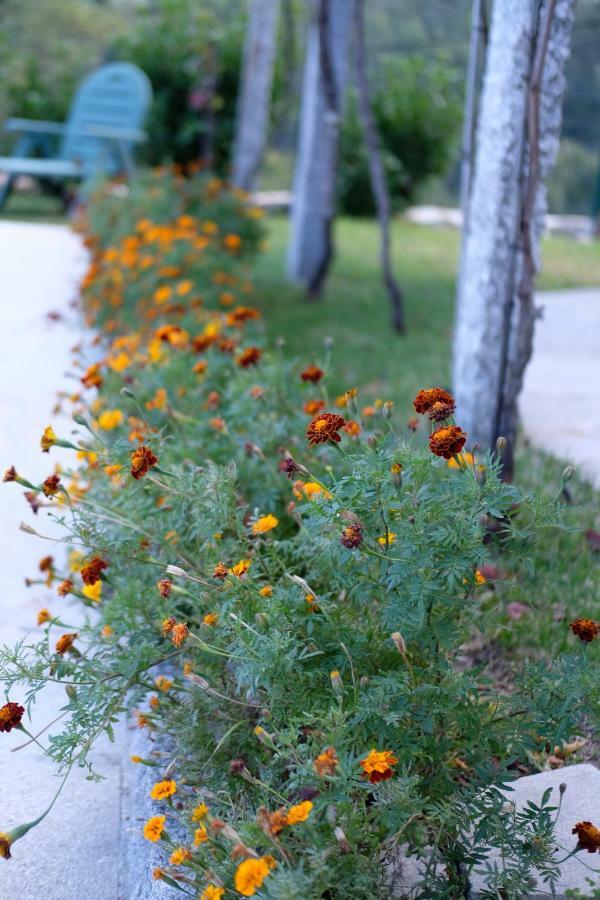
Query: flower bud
x: 336, y: 683
x: 264, y: 737
x: 175, y: 570
x: 342, y: 840
x: 567, y: 474
x: 399, y: 642
x: 387, y: 409
x: 501, y: 445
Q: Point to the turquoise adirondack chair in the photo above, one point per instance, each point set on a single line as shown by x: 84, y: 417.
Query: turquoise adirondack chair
x: 103, y: 126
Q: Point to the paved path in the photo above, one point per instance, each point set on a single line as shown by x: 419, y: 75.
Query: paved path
x: 560, y: 404
x: 73, y: 854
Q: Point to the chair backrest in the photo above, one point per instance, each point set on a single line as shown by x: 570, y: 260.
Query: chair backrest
x: 115, y: 95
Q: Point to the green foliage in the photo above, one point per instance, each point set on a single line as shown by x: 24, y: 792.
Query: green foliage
x: 417, y: 112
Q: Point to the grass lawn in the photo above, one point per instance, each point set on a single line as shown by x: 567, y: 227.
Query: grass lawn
x: 565, y: 582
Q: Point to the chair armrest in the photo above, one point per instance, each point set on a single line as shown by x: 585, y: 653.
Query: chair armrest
x: 115, y: 133
x: 34, y: 126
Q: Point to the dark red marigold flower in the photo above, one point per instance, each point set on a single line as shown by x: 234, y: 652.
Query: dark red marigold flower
x: 585, y: 629
x: 249, y: 357
x: 588, y: 836
x: 352, y: 536
x: 312, y: 373
x: 46, y: 563
x: 226, y: 345
x: 164, y: 587
x: 289, y: 466
x: 447, y: 441
x: 427, y: 398
x: 324, y: 428
x: 202, y: 342
x: 90, y: 573
x: 51, y: 485
x: 142, y: 461
x: 64, y: 588
x: 10, y: 716
x: 440, y: 411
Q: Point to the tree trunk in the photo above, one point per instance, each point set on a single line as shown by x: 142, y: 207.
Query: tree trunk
x: 517, y: 144
x: 311, y: 247
x: 254, y: 97
x: 376, y: 169
x: 466, y: 162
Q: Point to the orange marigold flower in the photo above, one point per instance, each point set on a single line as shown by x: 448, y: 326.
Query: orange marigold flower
x: 168, y: 625
x: 154, y: 828
x: 425, y: 399
x: 232, y: 241
x: 324, y: 428
x: 251, y: 873
x: 163, y: 789
x: 326, y: 762
x: 312, y: 407
x: 266, y: 591
x: 588, y: 836
x: 10, y: 716
x: 585, y: 629
x: 276, y: 821
x: 92, y: 376
x: 90, y: 573
x: 179, y: 633
x: 162, y: 683
x: 299, y: 813
x: 48, y: 439
x: 241, y: 568
x: 158, y: 874
x: 64, y: 588
x: 242, y: 314
x: 212, y: 892
x: 220, y: 571
x: 200, y: 367
x: 264, y: 524
x: 51, y: 485
x: 352, y: 428
x: 378, y: 765
x: 312, y: 373
x: 142, y: 460
x: 65, y: 643
x: 352, y: 536
x: 44, y: 615
x: 249, y: 357
x: 210, y: 619
x: 447, y: 441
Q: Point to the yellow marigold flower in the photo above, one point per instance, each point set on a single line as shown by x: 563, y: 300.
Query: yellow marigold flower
x: 210, y: 619
x: 212, y: 892
x: 179, y: 856
x: 113, y: 470
x: 200, y: 836
x: 299, y: 813
x: 266, y: 591
x: 48, y: 439
x: 119, y: 362
x: 163, y: 294
x: 241, y: 567
x: 44, y: 615
x: 199, y: 813
x: 163, y: 789
x: 76, y: 558
x: 136, y: 759
x: 251, y: 873
x: 311, y: 489
x: 388, y: 539
x: 109, y: 419
x: 264, y: 524
x: 378, y: 765
x: 465, y: 457
x: 162, y: 683
x: 154, y: 828
x: 93, y: 591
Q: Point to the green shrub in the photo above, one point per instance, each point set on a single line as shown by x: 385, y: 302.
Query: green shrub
x: 311, y: 595
x: 417, y: 111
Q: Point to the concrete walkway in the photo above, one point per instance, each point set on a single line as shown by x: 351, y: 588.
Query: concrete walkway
x: 73, y: 854
x: 560, y: 403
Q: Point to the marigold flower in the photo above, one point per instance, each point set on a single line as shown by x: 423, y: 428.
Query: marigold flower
x: 352, y: 536
x: 266, y: 591
x: 199, y: 813
x: 154, y: 828
x: 200, y: 367
x: 212, y: 892
x: 64, y: 588
x: 440, y: 411
x: 90, y: 573
x: 352, y: 428
x: 241, y: 568
x: 312, y: 373
x: 289, y: 466
x: 110, y: 419
x: 251, y: 873
x: 264, y: 524
x: 179, y: 632
x: 326, y: 762
x: 5, y: 845
x: 585, y: 629
x: 312, y: 407
x: 51, y: 485
x: 378, y: 765
x: 447, y: 441
x: 107, y: 631
x: 46, y: 563
x: 158, y: 874
x: 220, y: 571
x: 425, y: 399
x: 324, y: 428
x: 65, y: 643
x: 10, y: 474
x: 200, y: 836
x: 163, y: 789
x: 48, y: 439
x: 387, y: 539
x: 210, y: 619
x: 142, y: 460
x: 588, y: 836
x: 10, y: 716
x: 232, y: 241
x: 249, y: 357
x: 299, y: 813
x: 92, y: 377
x: 44, y: 615
x: 93, y: 591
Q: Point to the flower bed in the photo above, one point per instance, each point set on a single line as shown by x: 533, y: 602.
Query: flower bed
x: 307, y: 571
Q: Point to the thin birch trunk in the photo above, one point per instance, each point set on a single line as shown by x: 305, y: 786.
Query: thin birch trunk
x: 517, y: 144
x: 376, y: 170
x: 254, y: 100
x: 311, y: 242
